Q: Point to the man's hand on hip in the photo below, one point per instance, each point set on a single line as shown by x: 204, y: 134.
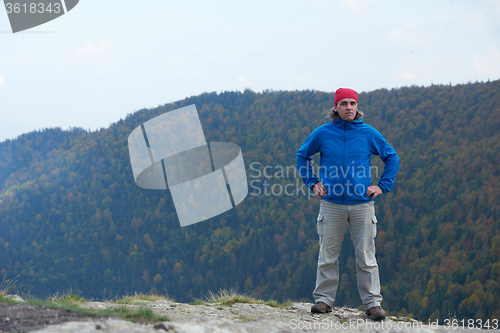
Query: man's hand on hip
x: 320, y: 190
x: 373, y: 190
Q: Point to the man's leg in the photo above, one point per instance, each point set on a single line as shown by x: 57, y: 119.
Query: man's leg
x: 331, y: 224
x: 363, y: 227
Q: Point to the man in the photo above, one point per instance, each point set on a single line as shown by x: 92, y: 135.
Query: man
x: 347, y: 198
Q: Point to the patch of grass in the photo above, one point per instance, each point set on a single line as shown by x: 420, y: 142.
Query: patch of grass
x: 69, y: 306
x: 7, y: 300
x: 403, y: 319
x: 70, y: 299
x: 228, y: 298
x: 197, y: 302
x: 245, y: 319
x: 273, y: 303
x: 73, y: 303
x: 143, y: 297
x: 140, y: 314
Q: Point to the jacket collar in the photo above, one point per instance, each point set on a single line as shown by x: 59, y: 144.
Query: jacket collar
x: 353, y: 123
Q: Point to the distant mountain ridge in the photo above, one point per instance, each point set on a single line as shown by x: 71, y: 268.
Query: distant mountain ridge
x: 71, y: 215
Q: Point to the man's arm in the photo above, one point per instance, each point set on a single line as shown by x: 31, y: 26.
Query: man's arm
x: 388, y: 155
x: 310, y: 147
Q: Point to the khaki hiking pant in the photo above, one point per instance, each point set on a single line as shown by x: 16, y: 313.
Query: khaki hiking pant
x: 332, y: 223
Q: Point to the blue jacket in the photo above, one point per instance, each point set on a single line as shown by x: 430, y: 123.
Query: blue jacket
x: 345, y: 166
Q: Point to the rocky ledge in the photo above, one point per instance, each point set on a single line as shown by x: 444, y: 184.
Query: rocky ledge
x: 241, y: 318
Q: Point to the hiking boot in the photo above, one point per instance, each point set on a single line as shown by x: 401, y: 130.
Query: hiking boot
x: 376, y: 313
x: 321, y: 307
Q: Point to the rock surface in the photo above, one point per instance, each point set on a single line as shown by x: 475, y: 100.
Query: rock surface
x: 241, y: 318
x: 21, y: 318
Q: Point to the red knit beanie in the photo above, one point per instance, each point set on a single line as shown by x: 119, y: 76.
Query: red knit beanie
x: 342, y: 93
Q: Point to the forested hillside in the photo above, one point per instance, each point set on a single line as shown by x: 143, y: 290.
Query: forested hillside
x: 71, y: 216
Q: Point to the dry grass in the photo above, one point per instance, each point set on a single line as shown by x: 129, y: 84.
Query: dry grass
x: 6, y: 284
x: 74, y: 303
x: 68, y: 299
x: 231, y: 296
x: 222, y: 297
x: 143, y: 297
x: 228, y: 297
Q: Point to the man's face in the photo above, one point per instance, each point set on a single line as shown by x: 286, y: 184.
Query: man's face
x: 347, y: 109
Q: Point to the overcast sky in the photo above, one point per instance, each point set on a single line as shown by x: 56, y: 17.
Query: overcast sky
x: 106, y: 59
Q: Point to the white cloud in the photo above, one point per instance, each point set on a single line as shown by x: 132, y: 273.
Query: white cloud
x: 241, y: 82
x: 412, y: 33
x: 488, y: 65
x: 494, y: 6
x: 90, y: 48
x: 352, y: 5
x: 147, y: 54
x: 397, y: 33
x: 2, y: 80
x: 237, y: 53
x: 98, y: 55
x: 176, y: 65
x: 198, y: 49
x: 312, y: 82
x: 242, y: 79
x: 407, y: 76
x: 178, y: 59
x: 359, y: 6
x: 27, y: 57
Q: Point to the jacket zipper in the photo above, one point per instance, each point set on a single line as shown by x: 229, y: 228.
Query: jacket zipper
x: 343, y: 171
